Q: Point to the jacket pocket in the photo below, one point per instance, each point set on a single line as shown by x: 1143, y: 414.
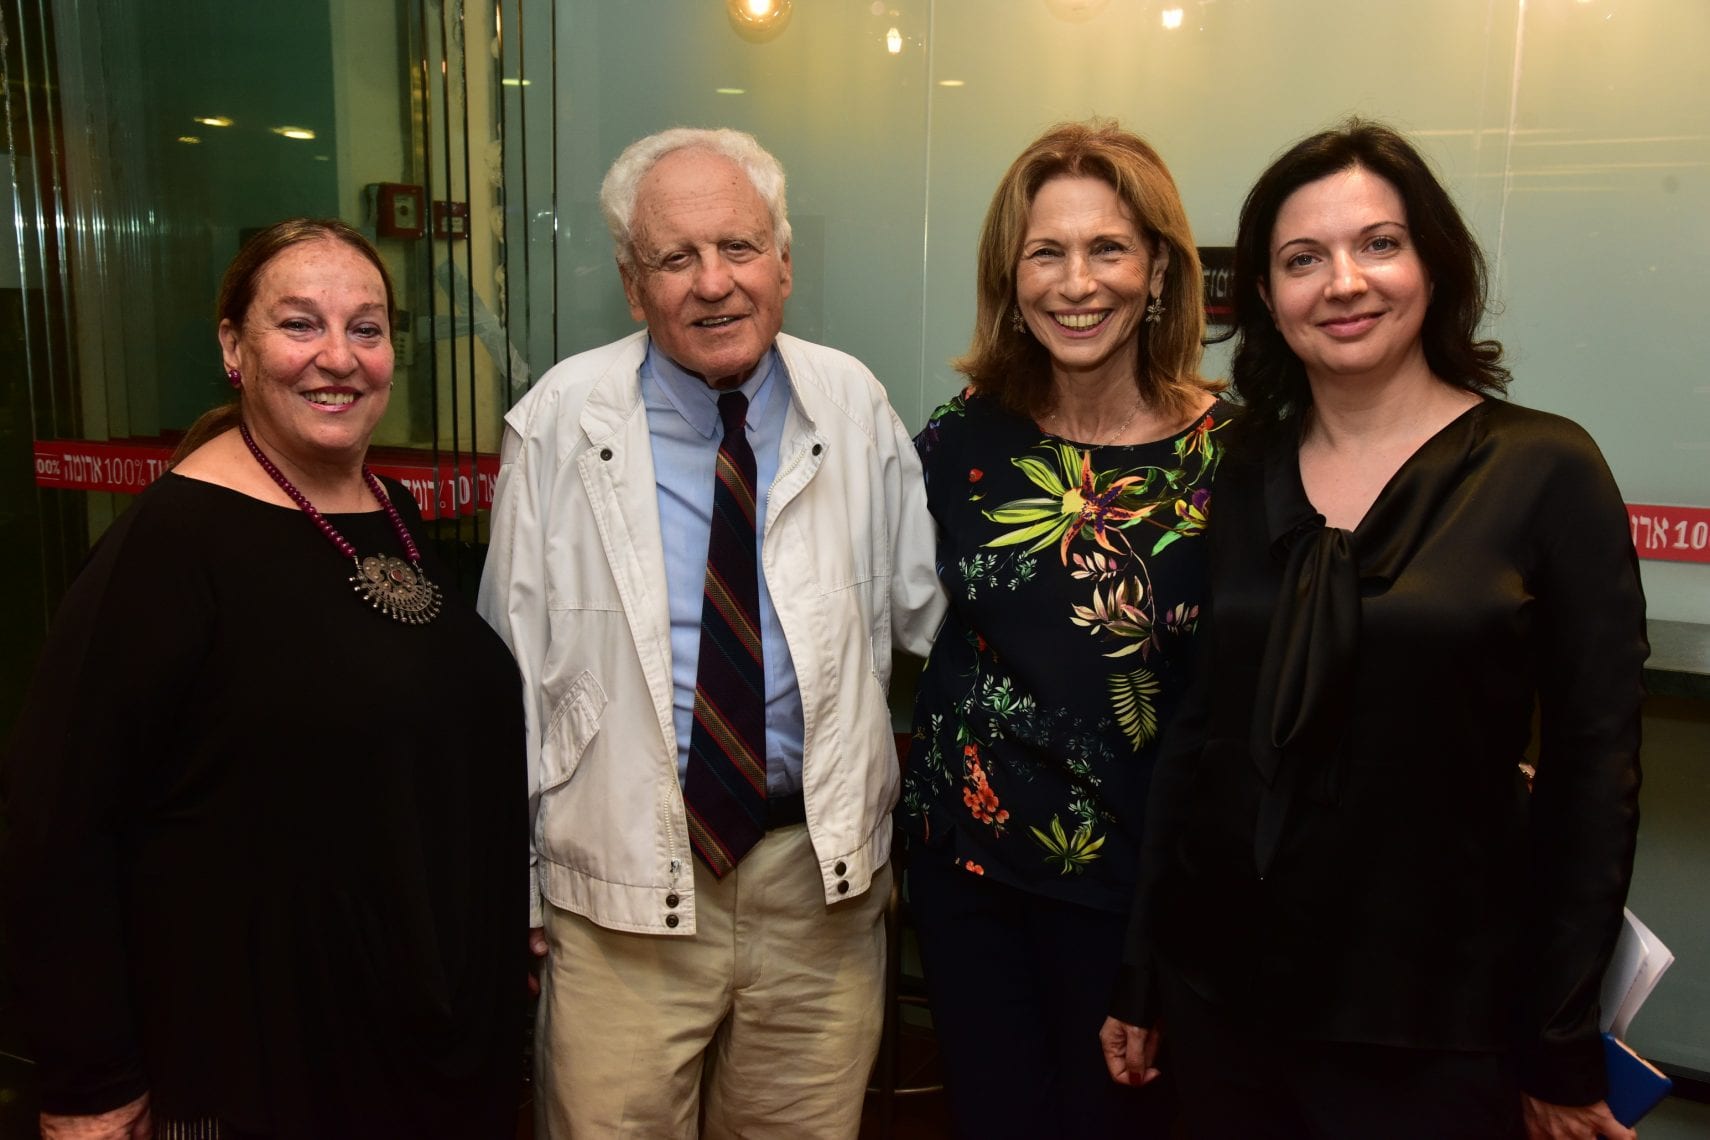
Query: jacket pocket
x: 574, y: 724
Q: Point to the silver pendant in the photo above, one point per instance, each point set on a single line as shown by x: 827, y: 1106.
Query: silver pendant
x: 396, y: 588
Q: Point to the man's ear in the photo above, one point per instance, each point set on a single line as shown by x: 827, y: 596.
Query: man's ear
x: 632, y: 291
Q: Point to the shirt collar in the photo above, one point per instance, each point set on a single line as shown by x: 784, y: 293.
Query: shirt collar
x: 696, y: 402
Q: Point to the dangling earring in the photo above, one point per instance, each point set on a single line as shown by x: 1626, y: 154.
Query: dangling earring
x: 1015, y: 321
x: 234, y: 377
x: 1154, y: 310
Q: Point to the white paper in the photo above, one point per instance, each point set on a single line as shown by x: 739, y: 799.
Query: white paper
x: 1638, y: 963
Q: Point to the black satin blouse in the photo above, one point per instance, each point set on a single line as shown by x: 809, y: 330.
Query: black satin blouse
x: 1343, y: 841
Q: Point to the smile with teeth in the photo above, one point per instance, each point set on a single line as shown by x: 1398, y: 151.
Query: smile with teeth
x: 716, y: 322
x: 330, y: 399
x: 1080, y: 321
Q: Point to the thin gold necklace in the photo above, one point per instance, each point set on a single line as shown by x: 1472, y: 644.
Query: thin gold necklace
x: 1115, y: 435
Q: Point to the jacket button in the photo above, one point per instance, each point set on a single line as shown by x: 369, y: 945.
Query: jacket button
x: 843, y: 886
x: 842, y: 868
x: 671, y: 921
x: 605, y: 453
x: 817, y: 448
x: 671, y: 900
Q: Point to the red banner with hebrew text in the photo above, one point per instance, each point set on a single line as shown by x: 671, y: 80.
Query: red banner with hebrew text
x: 464, y: 486
x: 1670, y: 534
x: 441, y: 489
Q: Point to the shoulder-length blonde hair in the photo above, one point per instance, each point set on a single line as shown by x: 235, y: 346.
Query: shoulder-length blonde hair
x: 1012, y: 366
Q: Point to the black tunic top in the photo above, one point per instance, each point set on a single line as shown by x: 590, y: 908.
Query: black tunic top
x: 266, y: 844
x: 1075, y: 575
x: 1345, y: 839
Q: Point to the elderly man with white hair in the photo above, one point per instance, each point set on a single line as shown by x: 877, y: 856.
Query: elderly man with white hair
x: 706, y: 539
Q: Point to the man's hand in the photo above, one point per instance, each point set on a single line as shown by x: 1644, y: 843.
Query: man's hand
x: 537, y: 952
x: 132, y: 1122
x: 1129, y: 1052
x: 1545, y: 1121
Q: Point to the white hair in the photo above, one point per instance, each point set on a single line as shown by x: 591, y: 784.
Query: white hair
x: 617, y: 191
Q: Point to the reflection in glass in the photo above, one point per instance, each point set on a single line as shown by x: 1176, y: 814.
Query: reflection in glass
x: 758, y: 20
x: 1075, y: 11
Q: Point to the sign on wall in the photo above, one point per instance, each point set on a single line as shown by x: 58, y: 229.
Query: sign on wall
x: 1217, y: 263
x: 1670, y: 534
x: 441, y: 490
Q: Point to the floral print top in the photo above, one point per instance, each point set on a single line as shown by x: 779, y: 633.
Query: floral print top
x: 1075, y: 575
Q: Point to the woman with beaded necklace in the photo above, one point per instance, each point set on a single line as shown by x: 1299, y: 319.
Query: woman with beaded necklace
x: 1069, y: 487
x: 257, y: 884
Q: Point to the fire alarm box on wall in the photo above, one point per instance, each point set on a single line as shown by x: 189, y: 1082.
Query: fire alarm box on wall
x: 451, y: 221
x: 398, y: 210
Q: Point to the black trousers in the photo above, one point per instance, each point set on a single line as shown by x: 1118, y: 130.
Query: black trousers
x: 1241, y: 1082
x: 1019, y: 985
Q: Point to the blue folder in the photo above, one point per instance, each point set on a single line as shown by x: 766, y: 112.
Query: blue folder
x: 1635, y: 1085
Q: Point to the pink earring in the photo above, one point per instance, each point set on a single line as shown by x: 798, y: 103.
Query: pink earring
x: 234, y: 377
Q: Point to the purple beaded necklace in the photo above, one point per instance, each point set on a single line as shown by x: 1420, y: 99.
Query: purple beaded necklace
x: 397, y: 588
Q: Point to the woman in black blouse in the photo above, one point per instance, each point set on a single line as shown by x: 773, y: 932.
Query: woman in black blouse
x: 260, y: 881
x: 1365, y: 915
x: 1068, y: 484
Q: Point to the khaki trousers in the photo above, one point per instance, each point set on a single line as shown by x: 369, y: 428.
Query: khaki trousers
x: 765, y: 1023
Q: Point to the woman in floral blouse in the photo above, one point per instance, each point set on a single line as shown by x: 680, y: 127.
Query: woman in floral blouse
x: 1069, y: 483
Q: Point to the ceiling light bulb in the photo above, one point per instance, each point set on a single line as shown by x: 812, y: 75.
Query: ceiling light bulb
x: 758, y: 20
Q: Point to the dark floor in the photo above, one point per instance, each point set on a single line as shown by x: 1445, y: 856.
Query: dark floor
x: 916, y: 1117
x: 921, y: 1115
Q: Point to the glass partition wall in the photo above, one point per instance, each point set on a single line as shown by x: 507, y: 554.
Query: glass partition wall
x: 1571, y: 131
x: 142, y: 151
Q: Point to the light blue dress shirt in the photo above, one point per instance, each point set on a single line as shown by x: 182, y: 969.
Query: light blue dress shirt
x: 685, y: 429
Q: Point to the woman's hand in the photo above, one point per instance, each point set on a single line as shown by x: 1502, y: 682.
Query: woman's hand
x: 537, y: 953
x: 132, y: 1122
x: 1545, y: 1121
x: 1129, y: 1052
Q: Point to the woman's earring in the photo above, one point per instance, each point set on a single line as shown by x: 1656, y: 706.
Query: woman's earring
x: 1015, y: 321
x: 234, y: 378
x: 1154, y: 310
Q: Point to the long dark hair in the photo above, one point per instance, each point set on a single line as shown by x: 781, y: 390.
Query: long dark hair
x: 237, y: 293
x: 1267, y: 375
